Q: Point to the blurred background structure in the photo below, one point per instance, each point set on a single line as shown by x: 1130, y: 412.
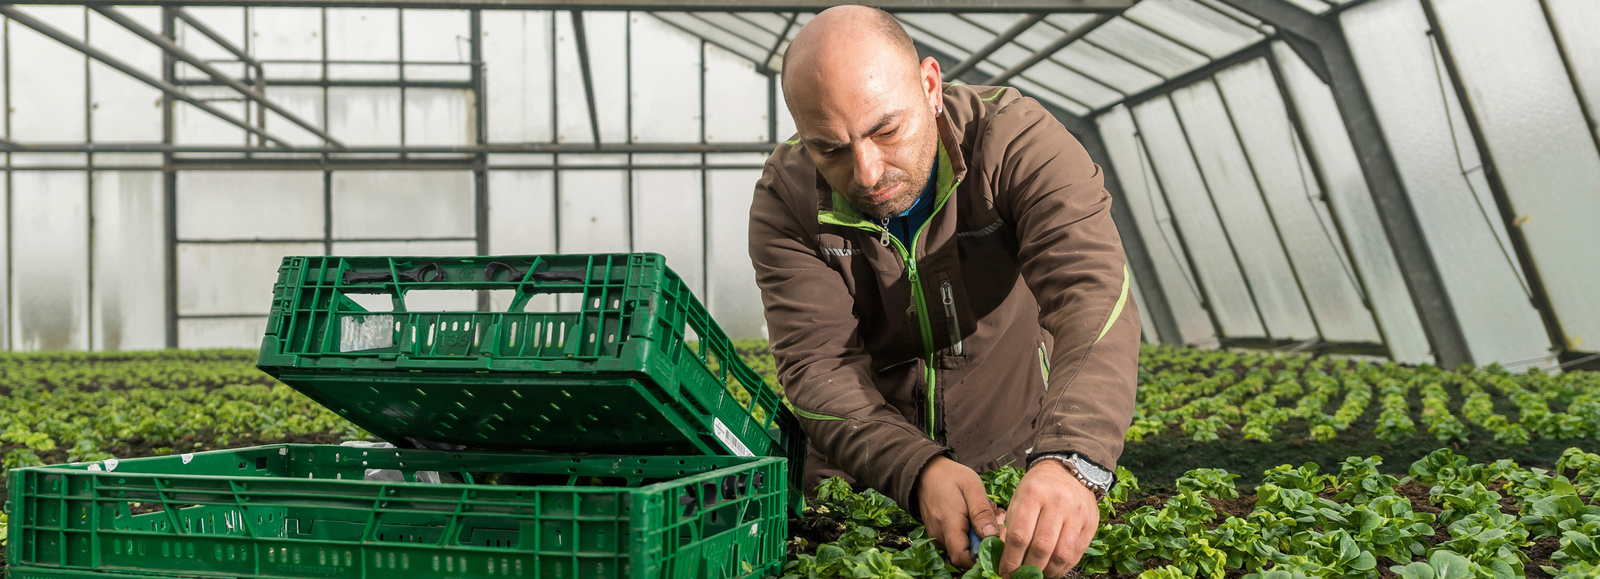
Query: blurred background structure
x: 1413, y: 179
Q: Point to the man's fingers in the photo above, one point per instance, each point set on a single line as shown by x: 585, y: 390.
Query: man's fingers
x: 954, y: 534
x: 1019, y: 533
x: 980, y: 511
x: 1046, y: 532
x: 1066, y: 553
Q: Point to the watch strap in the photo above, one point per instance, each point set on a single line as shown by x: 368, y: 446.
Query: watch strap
x: 1066, y: 460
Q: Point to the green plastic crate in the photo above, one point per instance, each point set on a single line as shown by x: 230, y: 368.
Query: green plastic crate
x: 638, y: 368
x: 306, y: 511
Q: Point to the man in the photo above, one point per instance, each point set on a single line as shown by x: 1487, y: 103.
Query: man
x: 945, y: 292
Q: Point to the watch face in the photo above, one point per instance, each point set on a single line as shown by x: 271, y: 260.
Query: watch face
x: 1094, y: 473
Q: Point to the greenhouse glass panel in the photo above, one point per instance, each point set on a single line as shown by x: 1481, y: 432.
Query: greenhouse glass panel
x: 1542, y: 149
x: 736, y: 25
x: 1145, y: 48
x: 1108, y: 68
x: 222, y: 333
x: 288, y: 41
x: 304, y: 102
x: 1197, y: 26
x: 192, y: 126
x: 607, y: 37
x: 1294, y: 198
x: 437, y: 35
x: 129, y: 302
x: 669, y: 219
x: 703, y: 29
x: 1574, y: 24
x: 364, y: 116
x: 365, y: 34
x: 992, y: 22
x: 519, y: 75
x: 440, y: 117
x: 1244, y: 216
x: 124, y: 110
x: 1202, y: 231
x: 741, y: 119
x: 1351, y: 201
x: 1457, y: 214
x: 230, y: 205
x: 521, y: 220
x: 50, y: 260
x: 1142, y: 193
x: 594, y: 212
x: 403, y: 204
x: 666, y: 104
x: 733, y: 298
x: 48, y: 91
x: 229, y: 279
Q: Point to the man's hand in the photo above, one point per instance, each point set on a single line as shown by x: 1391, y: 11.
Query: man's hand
x: 1050, y: 522
x: 952, y: 497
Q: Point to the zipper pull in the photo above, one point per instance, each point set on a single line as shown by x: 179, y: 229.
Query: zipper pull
x: 948, y: 296
x: 884, y: 239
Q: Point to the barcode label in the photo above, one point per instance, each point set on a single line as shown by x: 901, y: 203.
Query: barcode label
x: 728, y: 439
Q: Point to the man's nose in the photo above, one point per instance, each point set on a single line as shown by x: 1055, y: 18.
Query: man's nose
x: 868, y: 164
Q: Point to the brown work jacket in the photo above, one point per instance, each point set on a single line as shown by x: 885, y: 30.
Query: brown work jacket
x: 1005, y: 331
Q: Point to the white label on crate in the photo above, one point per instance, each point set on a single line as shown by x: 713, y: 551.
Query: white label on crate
x: 365, y: 332
x: 728, y: 439
x: 111, y: 464
x: 95, y: 467
x: 188, y: 456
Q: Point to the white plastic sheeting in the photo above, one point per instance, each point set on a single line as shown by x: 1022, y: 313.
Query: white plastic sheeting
x: 1287, y: 183
x: 1249, y: 227
x: 1438, y: 163
x: 1223, y: 284
x: 129, y: 300
x: 1541, y: 147
x: 49, y: 260
x: 1348, y: 197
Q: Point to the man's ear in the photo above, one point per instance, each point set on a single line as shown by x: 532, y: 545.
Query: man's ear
x: 932, y: 83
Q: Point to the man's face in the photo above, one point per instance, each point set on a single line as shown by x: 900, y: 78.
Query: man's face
x: 870, y: 128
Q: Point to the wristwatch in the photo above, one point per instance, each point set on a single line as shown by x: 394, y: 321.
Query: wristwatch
x: 1090, y: 474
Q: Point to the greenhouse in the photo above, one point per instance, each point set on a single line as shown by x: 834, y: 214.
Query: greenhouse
x: 1359, y: 235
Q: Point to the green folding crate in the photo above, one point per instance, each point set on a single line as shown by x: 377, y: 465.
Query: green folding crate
x: 633, y: 365
x: 306, y: 511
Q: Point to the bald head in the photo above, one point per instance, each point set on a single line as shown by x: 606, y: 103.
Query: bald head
x: 864, y: 106
x: 847, y: 23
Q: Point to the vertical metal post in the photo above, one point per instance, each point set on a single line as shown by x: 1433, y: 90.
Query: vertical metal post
x: 480, y: 165
x: 169, y: 176
x: 1519, y: 243
x: 88, y: 182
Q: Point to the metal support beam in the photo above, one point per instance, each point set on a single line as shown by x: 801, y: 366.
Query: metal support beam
x: 20, y: 17
x: 988, y: 6
x: 410, y: 150
x: 588, y: 79
x: 1051, y: 49
x: 1399, y: 218
x: 206, y: 31
x: 172, y: 48
x: 1000, y: 40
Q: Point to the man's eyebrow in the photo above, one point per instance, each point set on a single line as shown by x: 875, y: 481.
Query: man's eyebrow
x: 824, y: 144
x: 884, y: 122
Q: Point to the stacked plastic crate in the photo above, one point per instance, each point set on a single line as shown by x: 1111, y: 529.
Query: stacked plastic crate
x: 621, y: 436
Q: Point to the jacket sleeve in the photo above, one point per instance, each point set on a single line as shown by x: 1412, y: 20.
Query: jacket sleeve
x: 1072, y: 260
x: 825, y: 371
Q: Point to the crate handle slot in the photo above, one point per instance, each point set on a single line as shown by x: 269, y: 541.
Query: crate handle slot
x: 416, y: 275
x: 538, y: 273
